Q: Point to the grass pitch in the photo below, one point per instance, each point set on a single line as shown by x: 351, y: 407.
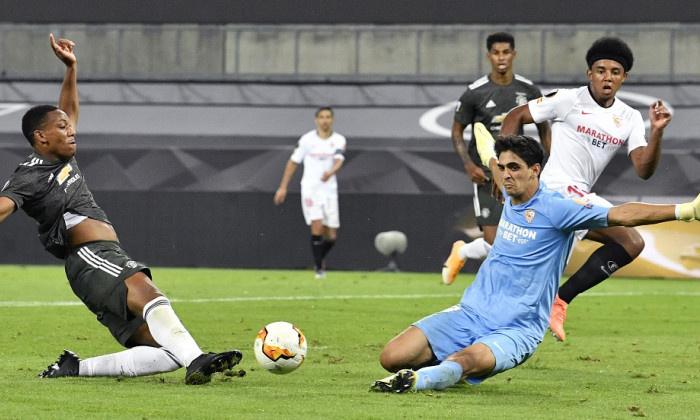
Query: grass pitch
x: 632, y: 350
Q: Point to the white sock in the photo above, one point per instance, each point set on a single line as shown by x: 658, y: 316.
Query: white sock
x: 438, y: 377
x: 136, y: 361
x: 169, y: 332
x: 477, y: 249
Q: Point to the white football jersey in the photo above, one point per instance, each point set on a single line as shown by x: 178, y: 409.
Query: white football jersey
x: 585, y: 136
x: 318, y: 155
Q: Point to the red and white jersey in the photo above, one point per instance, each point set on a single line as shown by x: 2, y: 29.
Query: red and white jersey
x: 318, y: 155
x: 585, y: 136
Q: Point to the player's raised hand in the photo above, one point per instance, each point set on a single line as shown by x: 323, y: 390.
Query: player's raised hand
x: 689, y: 211
x: 659, y: 115
x: 63, y: 50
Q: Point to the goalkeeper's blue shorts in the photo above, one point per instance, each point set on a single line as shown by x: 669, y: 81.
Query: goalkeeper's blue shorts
x: 454, y: 329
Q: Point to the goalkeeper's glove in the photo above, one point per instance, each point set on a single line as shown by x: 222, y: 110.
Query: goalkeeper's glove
x: 484, y: 143
x: 689, y: 211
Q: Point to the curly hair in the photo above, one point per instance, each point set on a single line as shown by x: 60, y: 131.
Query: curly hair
x: 610, y: 48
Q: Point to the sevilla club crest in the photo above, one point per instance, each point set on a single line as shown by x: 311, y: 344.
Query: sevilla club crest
x: 529, y: 215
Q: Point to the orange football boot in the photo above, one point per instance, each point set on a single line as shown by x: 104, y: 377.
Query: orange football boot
x: 557, y: 318
x: 453, y: 264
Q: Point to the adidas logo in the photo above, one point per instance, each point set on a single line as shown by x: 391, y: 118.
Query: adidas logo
x: 490, y: 104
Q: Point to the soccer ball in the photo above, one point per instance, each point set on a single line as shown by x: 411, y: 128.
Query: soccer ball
x: 280, y: 347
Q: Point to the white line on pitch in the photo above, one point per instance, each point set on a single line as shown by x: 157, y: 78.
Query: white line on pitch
x: 336, y: 297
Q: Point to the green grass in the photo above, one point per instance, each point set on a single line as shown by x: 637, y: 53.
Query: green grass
x: 632, y: 350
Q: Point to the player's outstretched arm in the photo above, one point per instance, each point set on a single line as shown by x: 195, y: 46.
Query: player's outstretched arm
x: 68, y: 99
x: 688, y: 212
x: 516, y: 118
x: 637, y: 214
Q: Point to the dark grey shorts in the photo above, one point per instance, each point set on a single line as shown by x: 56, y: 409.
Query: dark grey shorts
x: 96, y: 272
x: 486, y: 208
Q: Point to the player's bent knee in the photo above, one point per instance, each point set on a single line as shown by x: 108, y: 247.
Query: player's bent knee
x: 389, y: 360
x: 633, y: 242
x: 394, y: 358
x: 140, y: 291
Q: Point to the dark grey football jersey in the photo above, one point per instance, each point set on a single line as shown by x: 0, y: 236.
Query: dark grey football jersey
x: 488, y: 103
x: 46, y: 189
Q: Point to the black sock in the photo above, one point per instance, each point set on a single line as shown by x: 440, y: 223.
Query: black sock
x: 600, y: 265
x: 327, y: 245
x: 317, y: 250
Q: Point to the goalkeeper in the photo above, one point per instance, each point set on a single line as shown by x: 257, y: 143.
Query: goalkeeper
x: 504, y: 314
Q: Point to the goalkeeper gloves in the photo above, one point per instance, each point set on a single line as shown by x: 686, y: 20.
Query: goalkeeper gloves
x: 484, y: 143
x: 689, y: 211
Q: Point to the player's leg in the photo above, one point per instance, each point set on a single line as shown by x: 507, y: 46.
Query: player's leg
x: 466, y: 347
x: 317, y: 247
x: 144, y: 355
x: 312, y: 208
x: 476, y: 360
x: 120, y: 292
x: 136, y: 361
x: 166, y: 329
x: 489, y: 355
x: 429, y: 340
x: 330, y: 235
x: 488, y: 211
x: 331, y: 224
x: 479, y: 248
x: 405, y: 352
x: 410, y: 349
x: 621, y: 245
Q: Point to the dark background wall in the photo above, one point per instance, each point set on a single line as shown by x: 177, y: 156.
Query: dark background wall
x: 245, y: 230
x: 358, y: 11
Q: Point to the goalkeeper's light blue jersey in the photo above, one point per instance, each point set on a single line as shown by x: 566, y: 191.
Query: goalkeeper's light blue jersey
x: 516, y: 284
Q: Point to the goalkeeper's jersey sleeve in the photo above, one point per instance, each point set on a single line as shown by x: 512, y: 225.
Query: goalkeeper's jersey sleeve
x: 45, y: 189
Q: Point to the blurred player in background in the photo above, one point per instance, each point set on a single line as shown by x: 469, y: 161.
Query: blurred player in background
x: 487, y: 101
x: 322, y: 153
x: 503, y: 315
x: 589, y: 125
x: 50, y: 188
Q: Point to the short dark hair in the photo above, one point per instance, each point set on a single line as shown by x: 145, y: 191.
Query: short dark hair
x: 34, y: 119
x: 499, y: 37
x: 527, y: 148
x: 610, y: 48
x: 323, y: 108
